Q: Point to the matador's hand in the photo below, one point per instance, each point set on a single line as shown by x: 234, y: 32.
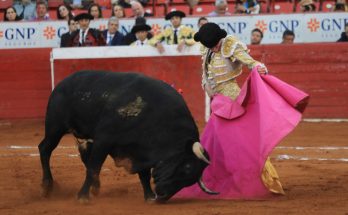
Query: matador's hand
x: 262, y: 69
x: 181, y: 46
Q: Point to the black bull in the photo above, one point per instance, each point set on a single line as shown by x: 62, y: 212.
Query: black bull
x: 129, y: 117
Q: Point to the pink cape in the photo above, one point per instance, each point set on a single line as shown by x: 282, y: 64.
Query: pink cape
x: 241, y: 134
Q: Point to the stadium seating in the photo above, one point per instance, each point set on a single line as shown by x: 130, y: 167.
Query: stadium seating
x: 5, y: 4
x: 203, y: 10
x: 281, y: 6
x: 53, y: 4
x: 327, y: 6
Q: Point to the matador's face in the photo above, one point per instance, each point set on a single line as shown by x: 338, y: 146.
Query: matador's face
x: 217, y: 48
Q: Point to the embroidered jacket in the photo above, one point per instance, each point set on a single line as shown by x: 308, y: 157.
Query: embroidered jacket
x: 167, y: 36
x: 221, y: 69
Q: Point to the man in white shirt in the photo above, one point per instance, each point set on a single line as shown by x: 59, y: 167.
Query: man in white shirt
x: 140, y: 32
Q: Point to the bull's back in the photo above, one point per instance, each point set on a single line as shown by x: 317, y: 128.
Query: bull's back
x: 88, y: 97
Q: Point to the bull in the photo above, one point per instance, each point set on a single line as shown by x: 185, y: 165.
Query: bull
x: 132, y: 118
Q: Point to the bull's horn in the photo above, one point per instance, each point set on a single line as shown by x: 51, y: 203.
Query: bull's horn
x: 198, y: 151
x: 205, y: 189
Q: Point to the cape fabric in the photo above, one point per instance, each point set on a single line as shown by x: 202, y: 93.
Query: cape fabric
x: 241, y: 134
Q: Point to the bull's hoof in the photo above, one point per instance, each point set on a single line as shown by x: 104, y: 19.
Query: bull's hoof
x: 83, y: 200
x: 150, y: 198
x: 47, y: 187
x: 95, y: 190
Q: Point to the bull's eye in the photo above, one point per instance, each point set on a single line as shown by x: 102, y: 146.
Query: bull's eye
x: 187, y: 168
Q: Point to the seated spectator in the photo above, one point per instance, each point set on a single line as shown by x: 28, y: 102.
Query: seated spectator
x: 79, y: 4
x: 340, y: 6
x: 141, y: 32
x: 112, y: 35
x: 95, y: 11
x: 66, y: 38
x: 41, y: 11
x: 86, y: 36
x: 192, y: 3
x: 118, y: 11
x: 64, y: 12
x: 26, y: 10
x: 256, y: 37
x: 128, y: 3
x: 201, y: 21
x: 221, y: 7
x: 247, y: 7
x: 10, y: 15
x: 288, y: 37
x: 130, y: 37
x: 138, y: 10
x: 307, y: 6
x: 344, y: 35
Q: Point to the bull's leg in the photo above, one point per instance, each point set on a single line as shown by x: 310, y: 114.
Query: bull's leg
x: 47, y: 145
x: 145, y: 177
x: 96, y: 159
x: 85, y: 153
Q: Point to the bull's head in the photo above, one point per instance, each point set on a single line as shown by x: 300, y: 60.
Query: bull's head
x: 177, y: 172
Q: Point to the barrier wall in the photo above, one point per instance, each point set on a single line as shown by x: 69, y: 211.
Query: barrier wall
x: 319, y: 69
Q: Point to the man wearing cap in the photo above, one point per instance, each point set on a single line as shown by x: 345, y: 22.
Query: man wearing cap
x: 86, y: 36
x: 178, y: 34
x: 223, y: 58
x: 112, y: 35
x: 140, y: 32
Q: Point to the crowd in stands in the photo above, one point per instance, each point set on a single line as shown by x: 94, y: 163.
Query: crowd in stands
x: 179, y: 34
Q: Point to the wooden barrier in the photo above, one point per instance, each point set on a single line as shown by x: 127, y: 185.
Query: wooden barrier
x: 319, y: 69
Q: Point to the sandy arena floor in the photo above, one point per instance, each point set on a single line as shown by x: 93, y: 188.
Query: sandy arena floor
x: 312, y: 163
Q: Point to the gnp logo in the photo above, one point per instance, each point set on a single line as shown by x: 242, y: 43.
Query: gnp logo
x: 233, y: 27
x: 333, y: 24
x: 277, y: 26
x: 19, y: 33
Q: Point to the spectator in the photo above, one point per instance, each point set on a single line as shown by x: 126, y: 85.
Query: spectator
x: 138, y: 10
x: 25, y: 9
x: 201, y: 21
x: 288, y: 37
x: 86, y: 36
x: 10, y: 15
x: 247, y: 7
x: 177, y: 34
x: 95, y: 11
x: 130, y: 37
x: 340, y: 6
x: 41, y: 11
x: 192, y: 3
x: 221, y: 7
x: 128, y: 3
x: 112, y: 35
x: 344, y: 35
x: 64, y: 12
x: 141, y: 31
x: 66, y: 38
x: 79, y: 4
x: 307, y: 6
x: 256, y: 37
x: 118, y: 11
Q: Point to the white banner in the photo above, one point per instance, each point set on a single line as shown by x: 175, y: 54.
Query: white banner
x: 309, y: 27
